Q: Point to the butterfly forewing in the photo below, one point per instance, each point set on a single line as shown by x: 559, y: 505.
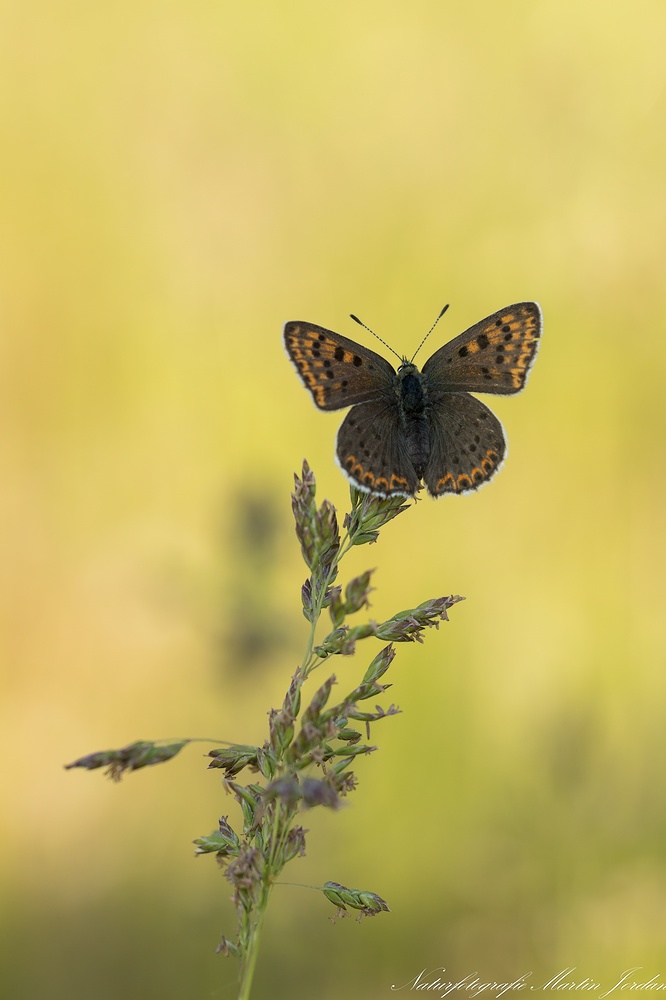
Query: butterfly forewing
x: 467, y: 445
x: 371, y: 450
x: 337, y: 371
x: 494, y: 355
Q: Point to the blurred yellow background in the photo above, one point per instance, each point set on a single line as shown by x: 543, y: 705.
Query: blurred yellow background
x: 177, y: 181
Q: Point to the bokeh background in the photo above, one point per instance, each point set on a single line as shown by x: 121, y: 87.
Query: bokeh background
x: 178, y: 179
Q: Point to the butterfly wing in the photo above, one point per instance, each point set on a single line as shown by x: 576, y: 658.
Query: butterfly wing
x: 467, y: 445
x: 494, y: 355
x: 337, y: 371
x: 371, y: 450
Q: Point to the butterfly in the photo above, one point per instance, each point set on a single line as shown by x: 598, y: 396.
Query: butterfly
x: 408, y: 426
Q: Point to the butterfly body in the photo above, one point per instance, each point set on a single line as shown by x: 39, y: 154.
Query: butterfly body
x: 407, y: 426
x: 414, y: 414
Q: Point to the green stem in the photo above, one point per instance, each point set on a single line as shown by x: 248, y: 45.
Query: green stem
x: 250, y: 957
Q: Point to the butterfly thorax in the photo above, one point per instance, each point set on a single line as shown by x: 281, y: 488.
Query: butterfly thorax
x: 411, y: 389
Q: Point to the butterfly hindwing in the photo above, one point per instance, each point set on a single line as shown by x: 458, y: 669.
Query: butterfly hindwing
x: 467, y: 445
x: 337, y: 371
x: 494, y: 355
x: 371, y: 450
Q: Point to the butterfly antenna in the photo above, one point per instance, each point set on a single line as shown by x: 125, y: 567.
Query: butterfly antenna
x: 429, y: 332
x: 357, y: 320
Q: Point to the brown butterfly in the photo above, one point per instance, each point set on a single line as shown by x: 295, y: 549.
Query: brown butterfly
x: 411, y: 425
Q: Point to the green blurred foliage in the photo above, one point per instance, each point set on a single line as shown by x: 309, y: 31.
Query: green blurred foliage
x: 179, y: 179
